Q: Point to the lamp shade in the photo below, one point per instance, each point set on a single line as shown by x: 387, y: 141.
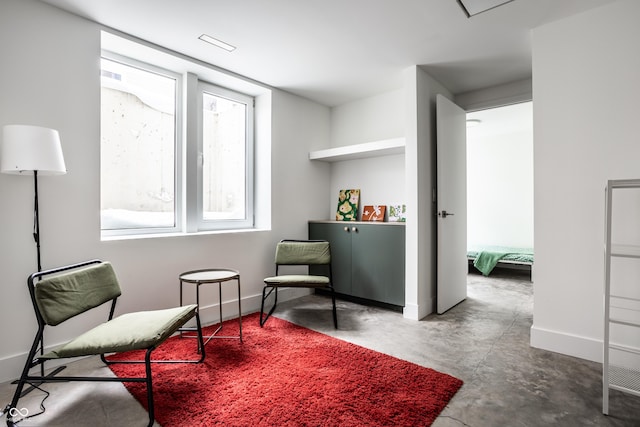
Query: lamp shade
x: 26, y: 149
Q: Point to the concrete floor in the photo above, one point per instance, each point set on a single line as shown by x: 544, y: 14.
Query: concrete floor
x: 484, y: 341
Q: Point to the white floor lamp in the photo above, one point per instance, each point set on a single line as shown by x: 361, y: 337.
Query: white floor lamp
x: 32, y: 150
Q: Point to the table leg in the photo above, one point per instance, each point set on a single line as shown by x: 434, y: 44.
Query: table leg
x: 239, y: 309
x: 219, y: 328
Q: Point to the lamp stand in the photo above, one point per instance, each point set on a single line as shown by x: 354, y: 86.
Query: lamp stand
x: 36, y: 219
x: 36, y: 237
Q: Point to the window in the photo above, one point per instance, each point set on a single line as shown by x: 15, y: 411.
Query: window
x: 138, y: 148
x: 146, y: 167
x: 224, y: 144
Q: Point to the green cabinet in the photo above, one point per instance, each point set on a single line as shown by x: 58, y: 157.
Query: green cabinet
x: 367, y: 258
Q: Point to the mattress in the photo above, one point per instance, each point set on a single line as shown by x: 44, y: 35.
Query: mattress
x: 485, y: 258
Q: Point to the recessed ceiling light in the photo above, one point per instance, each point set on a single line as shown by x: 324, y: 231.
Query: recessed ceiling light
x: 473, y: 122
x: 216, y: 42
x: 474, y: 7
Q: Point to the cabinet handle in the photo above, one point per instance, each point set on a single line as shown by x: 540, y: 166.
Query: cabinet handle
x: 354, y: 229
x: 346, y: 229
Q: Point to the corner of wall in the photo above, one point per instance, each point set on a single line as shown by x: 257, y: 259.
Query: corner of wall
x: 496, y: 96
x: 262, y: 179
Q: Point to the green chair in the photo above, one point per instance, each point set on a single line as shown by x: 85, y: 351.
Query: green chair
x: 62, y: 293
x: 299, y: 252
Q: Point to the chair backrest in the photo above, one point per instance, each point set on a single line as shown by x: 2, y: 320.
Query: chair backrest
x: 60, y: 297
x: 303, y: 252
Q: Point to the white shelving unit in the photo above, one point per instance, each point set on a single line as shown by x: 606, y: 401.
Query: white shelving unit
x: 620, y: 363
x: 385, y: 147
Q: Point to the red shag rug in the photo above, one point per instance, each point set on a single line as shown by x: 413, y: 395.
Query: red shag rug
x: 287, y: 375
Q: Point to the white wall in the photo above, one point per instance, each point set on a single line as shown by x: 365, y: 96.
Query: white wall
x: 380, y: 179
x: 296, y: 179
x: 586, y: 91
x: 500, y: 178
x: 50, y: 77
x: 370, y: 119
x: 420, y: 91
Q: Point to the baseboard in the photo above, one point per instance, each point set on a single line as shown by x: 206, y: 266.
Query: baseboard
x: 564, y: 343
x: 410, y: 311
x: 418, y: 312
x: 361, y: 301
x: 11, y: 366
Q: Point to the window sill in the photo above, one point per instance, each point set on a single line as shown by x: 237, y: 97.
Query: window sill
x: 179, y: 234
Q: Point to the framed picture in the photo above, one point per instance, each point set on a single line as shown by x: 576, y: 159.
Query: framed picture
x: 348, y: 205
x: 373, y: 212
x: 397, y: 213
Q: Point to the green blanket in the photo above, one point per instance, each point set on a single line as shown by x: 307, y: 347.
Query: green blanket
x: 485, y: 259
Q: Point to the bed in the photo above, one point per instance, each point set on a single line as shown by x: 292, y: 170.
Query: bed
x: 486, y: 258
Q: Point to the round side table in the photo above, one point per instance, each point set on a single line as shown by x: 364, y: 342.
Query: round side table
x: 213, y: 275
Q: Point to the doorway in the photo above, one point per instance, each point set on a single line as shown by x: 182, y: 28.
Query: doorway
x: 500, y: 181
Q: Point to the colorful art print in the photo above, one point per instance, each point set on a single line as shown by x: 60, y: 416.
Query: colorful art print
x: 348, y: 205
x: 373, y: 213
x: 397, y: 213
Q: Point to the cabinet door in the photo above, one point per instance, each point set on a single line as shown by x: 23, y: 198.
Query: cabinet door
x: 377, y: 259
x: 339, y: 237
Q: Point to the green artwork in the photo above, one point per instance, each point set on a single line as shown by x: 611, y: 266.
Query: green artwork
x: 348, y: 205
x: 397, y: 213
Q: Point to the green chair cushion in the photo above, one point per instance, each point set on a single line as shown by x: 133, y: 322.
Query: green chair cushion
x: 302, y: 253
x: 66, y: 295
x: 292, y: 280
x: 131, y: 331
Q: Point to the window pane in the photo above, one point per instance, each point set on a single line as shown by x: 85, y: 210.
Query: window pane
x: 224, y: 155
x: 138, y: 110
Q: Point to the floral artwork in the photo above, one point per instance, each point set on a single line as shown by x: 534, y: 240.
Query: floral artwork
x: 373, y: 213
x: 348, y: 205
x: 397, y: 213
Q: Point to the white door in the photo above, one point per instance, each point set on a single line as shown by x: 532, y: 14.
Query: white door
x: 451, y: 203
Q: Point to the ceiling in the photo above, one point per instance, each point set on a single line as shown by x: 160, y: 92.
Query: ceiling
x: 335, y: 51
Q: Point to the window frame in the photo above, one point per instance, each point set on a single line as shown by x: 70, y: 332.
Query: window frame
x: 226, y: 224
x: 188, y: 167
x: 178, y: 212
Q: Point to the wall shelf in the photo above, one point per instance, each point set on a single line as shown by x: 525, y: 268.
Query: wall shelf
x: 385, y: 147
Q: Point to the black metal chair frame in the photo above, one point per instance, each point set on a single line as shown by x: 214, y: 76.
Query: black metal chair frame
x: 274, y: 288
x: 33, y: 360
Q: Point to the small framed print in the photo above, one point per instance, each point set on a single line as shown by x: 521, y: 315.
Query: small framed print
x: 348, y: 205
x: 373, y: 212
x: 397, y: 213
